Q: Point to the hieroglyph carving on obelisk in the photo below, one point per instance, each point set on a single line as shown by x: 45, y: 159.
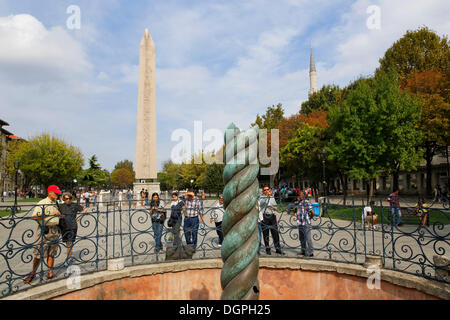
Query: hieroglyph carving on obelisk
x: 146, y: 166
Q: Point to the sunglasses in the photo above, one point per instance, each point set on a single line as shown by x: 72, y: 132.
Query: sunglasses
x: 266, y: 189
x: 66, y: 199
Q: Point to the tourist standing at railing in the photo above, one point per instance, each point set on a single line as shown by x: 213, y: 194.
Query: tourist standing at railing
x: 47, y: 213
x: 394, y: 202
x: 304, y: 214
x: 267, y: 208
x: 68, y: 222
x: 194, y: 209
x: 177, y: 208
x: 217, y: 217
x: 158, y: 216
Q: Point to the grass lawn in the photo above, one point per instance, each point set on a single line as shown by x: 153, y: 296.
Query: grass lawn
x: 354, y: 213
x: 7, y: 213
x: 31, y: 200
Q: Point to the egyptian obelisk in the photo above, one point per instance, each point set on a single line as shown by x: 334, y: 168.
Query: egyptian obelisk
x: 146, y: 165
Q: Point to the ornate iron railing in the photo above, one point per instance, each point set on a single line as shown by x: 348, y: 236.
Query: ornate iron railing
x: 124, y: 230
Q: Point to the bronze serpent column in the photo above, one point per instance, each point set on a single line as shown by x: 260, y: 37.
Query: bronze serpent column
x: 239, y: 277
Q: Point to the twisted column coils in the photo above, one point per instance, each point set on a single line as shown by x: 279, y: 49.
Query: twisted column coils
x: 239, y: 277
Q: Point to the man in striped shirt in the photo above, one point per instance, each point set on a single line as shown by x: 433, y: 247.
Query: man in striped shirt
x: 304, y: 214
x: 194, y: 208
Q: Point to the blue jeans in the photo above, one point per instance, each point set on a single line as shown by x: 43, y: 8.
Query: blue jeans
x: 260, y: 237
x: 157, y: 231
x: 396, y: 216
x: 190, y: 230
x: 305, y: 240
x: 146, y: 202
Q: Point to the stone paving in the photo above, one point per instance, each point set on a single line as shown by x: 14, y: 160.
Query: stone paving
x: 120, y: 232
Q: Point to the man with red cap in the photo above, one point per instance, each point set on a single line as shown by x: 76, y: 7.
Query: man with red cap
x: 47, y: 214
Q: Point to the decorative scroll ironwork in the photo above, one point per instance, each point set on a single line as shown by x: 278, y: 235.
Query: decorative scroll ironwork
x: 124, y: 229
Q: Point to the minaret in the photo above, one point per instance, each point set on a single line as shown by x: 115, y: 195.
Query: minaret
x: 146, y: 165
x: 312, y: 74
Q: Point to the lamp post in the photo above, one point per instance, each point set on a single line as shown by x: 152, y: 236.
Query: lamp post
x: 324, y: 154
x: 16, y: 167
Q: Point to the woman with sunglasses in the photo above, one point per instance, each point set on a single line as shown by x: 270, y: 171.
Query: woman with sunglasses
x: 68, y: 223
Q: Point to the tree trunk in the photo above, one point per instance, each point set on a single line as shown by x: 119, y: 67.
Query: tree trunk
x: 429, y: 158
x: 395, y: 180
x: 371, y: 184
x: 343, y: 179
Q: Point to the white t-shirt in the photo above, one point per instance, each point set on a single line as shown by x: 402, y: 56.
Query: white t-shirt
x: 217, y: 212
x: 365, y: 211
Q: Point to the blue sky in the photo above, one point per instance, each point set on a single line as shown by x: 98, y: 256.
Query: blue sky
x: 217, y: 62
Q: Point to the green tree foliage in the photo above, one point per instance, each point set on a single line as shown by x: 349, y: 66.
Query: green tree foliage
x: 213, y: 178
x: 416, y: 51
x: 322, y: 100
x: 421, y: 58
x: 122, y: 177
x: 271, y: 119
x: 93, y: 163
x: 46, y: 160
x: 126, y: 164
x: 301, y: 155
x: 95, y: 176
x: 374, y: 130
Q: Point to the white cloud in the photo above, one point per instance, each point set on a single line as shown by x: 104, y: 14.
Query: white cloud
x: 31, y: 52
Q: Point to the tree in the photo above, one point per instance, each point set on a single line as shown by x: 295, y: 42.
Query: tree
x: 322, y: 100
x: 122, y: 177
x: 93, y: 163
x: 213, y: 178
x: 95, y: 176
x: 300, y: 156
x: 46, y: 160
x: 271, y: 119
x: 432, y: 88
x: 416, y: 51
x: 421, y: 59
x: 126, y: 164
x: 374, y: 130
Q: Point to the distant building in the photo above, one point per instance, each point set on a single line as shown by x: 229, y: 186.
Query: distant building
x: 6, y: 182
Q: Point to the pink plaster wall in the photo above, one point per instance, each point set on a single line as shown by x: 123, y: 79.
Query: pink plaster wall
x: 276, y: 284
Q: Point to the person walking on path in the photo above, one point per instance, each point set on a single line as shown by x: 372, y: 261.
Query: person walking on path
x: 304, y: 214
x: 194, y: 209
x: 176, y: 217
x: 394, y: 202
x: 267, y: 207
x: 158, y: 216
x: 46, y: 245
x: 217, y: 217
